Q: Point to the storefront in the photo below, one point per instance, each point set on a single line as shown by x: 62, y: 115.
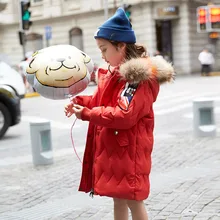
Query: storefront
x: 177, y: 38
x: 163, y: 26
x: 169, y: 27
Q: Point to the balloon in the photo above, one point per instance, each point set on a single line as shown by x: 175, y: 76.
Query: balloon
x: 58, y: 72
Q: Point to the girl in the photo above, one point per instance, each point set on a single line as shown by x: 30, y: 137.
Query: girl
x: 117, y: 158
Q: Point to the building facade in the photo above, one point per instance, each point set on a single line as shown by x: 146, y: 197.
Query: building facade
x: 167, y: 26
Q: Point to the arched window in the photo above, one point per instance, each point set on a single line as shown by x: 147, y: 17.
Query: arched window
x: 76, y: 38
x: 34, y: 42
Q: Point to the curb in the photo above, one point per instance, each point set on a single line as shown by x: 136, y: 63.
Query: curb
x: 214, y: 74
x: 32, y: 94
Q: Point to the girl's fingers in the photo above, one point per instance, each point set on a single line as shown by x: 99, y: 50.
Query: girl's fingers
x: 68, y: 107
x: 77, y: 106
x: 75, y: 109
x: 69, y: 114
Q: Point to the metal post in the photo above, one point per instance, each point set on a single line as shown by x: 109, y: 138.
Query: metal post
x: 106, y: 9
x: 47, y: 43
x: 21, y: 28
x: 24, y: 48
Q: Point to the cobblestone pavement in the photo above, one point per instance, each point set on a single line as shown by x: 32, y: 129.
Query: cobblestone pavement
x: 185, y: 184
x: 185, y: 177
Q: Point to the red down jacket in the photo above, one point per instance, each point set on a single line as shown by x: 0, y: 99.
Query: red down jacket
x: 117, y: 158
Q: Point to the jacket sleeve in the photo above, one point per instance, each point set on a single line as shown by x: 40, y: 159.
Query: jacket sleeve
x: 90, y: 101
x: 86, y: 101
x: 82, y: 100
x: 116, y: 117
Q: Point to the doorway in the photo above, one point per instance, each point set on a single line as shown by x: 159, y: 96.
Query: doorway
x: 34, y: 42
x: 164, y: 38
x: 76, y: 38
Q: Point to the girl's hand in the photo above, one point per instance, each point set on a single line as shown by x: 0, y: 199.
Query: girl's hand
x: 78, y: 110
x: 68, y: 109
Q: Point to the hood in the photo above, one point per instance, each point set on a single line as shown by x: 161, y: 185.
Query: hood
x: 141, y: 69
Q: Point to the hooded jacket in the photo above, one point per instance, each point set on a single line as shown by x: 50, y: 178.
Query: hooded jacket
x: 117, y: 158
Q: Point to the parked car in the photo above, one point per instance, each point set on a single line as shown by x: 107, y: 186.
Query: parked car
x: 10, y: 112
x: 12, y: 78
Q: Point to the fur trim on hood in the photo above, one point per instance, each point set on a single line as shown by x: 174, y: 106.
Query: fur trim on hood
x: 141, y: 69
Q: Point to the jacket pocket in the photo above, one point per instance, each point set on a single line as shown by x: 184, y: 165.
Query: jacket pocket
x: 122, y: 138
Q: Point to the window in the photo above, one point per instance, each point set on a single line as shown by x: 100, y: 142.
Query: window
x: 34, y: 42
x: 76, y: 38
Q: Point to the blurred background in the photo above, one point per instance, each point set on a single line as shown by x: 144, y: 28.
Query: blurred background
x: 176, y: 29
x: 185, y: 179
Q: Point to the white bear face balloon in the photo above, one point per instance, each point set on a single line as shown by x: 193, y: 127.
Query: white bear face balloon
x: 60, y: 71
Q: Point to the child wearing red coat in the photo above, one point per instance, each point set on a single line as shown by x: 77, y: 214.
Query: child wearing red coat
x: 117, y: 158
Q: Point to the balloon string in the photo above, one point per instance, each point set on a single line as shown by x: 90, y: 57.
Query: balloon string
x: 73, y: 140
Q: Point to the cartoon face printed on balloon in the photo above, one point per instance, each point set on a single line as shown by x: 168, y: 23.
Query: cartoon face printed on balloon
x: 60, y: 71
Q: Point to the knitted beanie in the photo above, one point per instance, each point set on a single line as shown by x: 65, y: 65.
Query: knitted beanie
x: 117, y: 28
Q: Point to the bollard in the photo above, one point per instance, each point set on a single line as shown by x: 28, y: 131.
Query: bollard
x: 203, y: 118
x: 41, y: 142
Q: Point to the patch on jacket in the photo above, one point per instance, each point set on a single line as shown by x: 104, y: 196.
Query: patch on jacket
x: 127, y: 96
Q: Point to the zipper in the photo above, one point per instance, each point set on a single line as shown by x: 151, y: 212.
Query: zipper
x: 92, y: 192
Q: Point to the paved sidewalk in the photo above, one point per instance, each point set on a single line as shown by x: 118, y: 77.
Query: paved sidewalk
x: 185, y: 184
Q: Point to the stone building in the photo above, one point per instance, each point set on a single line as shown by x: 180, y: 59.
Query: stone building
x: 168, y: 26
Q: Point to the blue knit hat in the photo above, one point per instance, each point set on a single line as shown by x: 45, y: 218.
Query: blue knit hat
x: 117, y: 28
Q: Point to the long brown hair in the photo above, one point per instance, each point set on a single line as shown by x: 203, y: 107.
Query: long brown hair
x: 132, y: 50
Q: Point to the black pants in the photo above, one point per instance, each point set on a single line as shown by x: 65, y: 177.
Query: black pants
x: 206, y: 69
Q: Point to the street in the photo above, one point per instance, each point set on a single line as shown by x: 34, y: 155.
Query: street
x: 185, y: 178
